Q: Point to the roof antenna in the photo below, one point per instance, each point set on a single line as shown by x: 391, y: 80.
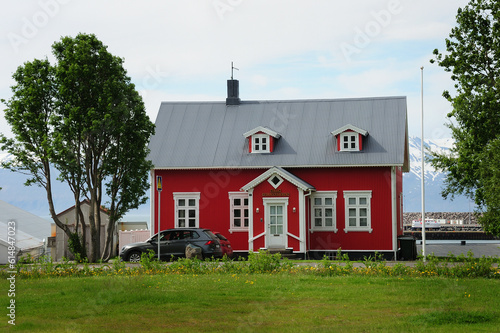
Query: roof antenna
x: 232, y: 67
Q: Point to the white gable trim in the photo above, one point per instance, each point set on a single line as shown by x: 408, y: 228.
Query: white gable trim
x: 283, y: 174
x: 350, y: 127
x: 266, y: 130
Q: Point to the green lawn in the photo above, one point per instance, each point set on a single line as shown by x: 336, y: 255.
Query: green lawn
x: 254, y: 303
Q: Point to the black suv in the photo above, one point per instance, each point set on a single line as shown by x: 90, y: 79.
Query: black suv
x: 173, y: 242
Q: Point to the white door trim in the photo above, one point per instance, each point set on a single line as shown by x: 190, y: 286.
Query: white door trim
x: 284, y: 238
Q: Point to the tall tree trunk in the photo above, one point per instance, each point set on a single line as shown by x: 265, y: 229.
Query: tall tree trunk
x: 48, y: 190
x: 84, y: 232
x: 80, y: 219
x: 108, y: 249
x: 95, y: 224
x: 94, y: 239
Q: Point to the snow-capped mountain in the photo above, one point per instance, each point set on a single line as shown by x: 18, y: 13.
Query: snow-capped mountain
x: 434, y: 180
x: 441, y: 146
x: 4, y: 156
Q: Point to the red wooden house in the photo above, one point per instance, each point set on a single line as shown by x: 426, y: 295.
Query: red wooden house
x: 306, y: 176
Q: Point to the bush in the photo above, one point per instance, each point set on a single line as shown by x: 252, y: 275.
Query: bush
x: 263, y: 262
x: 149, y: 261
x: 75, y: 245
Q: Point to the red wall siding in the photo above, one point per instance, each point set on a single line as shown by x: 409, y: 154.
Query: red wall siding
x: 214, y: 186
x: 376, y: 179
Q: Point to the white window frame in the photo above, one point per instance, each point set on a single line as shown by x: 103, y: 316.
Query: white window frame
x: 323, y: 207
x: 349, y: 141
x: 188, y: 197
x: 280, y: 180
x: 362, y: 207
x: 257, y: 143
x: 242, y: 208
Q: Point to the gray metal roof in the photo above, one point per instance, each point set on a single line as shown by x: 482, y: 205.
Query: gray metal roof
x: 210, y: 134
x: 23, y: 240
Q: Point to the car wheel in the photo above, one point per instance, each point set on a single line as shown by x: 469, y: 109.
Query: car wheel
x: 134, y: 256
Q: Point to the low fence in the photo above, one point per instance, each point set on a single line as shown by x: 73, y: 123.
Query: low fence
x: 458, y: 235
x: 132, y: 236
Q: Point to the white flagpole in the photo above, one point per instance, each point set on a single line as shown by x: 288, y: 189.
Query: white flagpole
x: 423, y: 162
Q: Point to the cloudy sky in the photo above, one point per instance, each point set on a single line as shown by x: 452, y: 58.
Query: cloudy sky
x: 284, y: 49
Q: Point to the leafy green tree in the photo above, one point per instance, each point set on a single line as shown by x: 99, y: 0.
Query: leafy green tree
x: 490, y: 173
x: 97, y: 132
x: 30, y: 112
x: 472, y: 57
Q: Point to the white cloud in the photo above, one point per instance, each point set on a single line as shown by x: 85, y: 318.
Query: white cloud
x: 284, y: 49
x: 259, y: 80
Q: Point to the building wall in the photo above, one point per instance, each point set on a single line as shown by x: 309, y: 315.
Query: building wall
x: 214, y: 210
x: 376, y: 179
x: 213, y: 185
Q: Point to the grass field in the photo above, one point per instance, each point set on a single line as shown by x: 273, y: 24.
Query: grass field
x: 254, y: 303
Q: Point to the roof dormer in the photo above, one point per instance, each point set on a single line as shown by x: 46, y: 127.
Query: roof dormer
x: 349, y: 138
x: 261, y: 140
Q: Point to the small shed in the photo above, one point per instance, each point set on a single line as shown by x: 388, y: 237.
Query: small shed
x: 68, y: 217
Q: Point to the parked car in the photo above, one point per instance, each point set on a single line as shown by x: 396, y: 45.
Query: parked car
x: 173, y: 242
x: 225, y: 244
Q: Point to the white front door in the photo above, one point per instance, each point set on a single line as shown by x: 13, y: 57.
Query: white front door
x: 276, y: 223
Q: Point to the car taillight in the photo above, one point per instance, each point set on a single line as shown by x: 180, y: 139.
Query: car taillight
x: 210, y: 242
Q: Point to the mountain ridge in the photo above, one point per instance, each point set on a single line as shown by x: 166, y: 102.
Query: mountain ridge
x: 434, y: 180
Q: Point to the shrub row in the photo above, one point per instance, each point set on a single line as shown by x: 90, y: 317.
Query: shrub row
x: 263, y: 262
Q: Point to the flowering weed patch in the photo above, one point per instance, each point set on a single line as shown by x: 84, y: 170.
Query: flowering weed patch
x: 263, y: 263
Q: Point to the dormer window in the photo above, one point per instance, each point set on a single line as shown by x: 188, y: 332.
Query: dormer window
x: 261, y: 140
x: 349, y: 141
x: 349, y: 138
x: 260, y: 143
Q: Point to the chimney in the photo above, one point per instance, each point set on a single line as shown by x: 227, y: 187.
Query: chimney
x: 233, y: 92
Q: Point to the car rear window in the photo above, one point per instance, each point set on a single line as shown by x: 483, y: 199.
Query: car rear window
x: 210, y: 234
x: 221, y: 237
